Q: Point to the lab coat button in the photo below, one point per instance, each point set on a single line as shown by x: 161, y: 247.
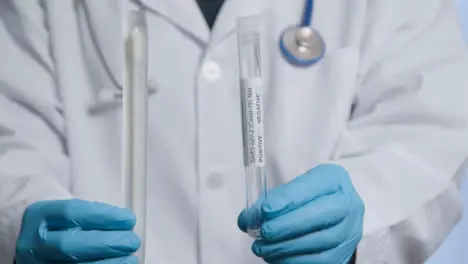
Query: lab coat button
x: 211, y: 71
x: 153, y: 85
x: 214, y: 181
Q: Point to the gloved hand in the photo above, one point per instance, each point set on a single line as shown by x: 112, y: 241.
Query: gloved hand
x: 76, y: 231
x: 316, y: 218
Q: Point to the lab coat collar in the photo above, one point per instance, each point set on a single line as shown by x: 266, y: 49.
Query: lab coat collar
x: 106, y: 18
x: 187, y: 16
x: 184, y: 14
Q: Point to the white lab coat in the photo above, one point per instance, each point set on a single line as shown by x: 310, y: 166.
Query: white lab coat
x: 388, y: 102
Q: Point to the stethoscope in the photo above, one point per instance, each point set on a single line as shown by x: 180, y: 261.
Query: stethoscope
x: 301, y: 45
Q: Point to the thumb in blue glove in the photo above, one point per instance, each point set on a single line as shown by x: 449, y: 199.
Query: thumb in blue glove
x: 316, y: 218
x: 76, y: 231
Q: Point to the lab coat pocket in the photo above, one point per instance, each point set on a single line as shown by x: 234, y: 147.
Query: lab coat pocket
x: 336, y: 65
x: 324, y: 86
x: 308, y: 108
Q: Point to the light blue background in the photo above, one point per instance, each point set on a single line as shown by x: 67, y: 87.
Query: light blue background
x: 463, y: 5
x: 454, y: 250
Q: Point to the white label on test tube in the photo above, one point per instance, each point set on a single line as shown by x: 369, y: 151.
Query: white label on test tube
x: 252, y: 104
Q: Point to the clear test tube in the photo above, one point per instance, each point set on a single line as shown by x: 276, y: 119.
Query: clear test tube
x: 251, y: 88
x: 135, y: 111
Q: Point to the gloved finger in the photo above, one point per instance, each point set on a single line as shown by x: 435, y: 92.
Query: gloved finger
x: 311, y: 243
x: 251, y: 218
x: 341, y: 254
x: 122, y: 260
x: 319, y: 214
x: 321, y: 180
x: 87, y: 215
x: 76, y: 245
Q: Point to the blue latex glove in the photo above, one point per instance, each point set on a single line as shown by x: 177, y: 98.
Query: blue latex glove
x: 316, y: 218
x: 76, y: 231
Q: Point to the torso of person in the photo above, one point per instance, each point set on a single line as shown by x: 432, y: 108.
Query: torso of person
x: 196, y: 181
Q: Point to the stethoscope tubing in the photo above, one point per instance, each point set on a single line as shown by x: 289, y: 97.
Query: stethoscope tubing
x: 308, y: 13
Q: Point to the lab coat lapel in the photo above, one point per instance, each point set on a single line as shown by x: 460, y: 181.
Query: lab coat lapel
x: 106, y: 20
x: 184, y: 14
x: 231, y: 11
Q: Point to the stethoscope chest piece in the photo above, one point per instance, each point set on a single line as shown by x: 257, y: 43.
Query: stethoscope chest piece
x: 302, y: 46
